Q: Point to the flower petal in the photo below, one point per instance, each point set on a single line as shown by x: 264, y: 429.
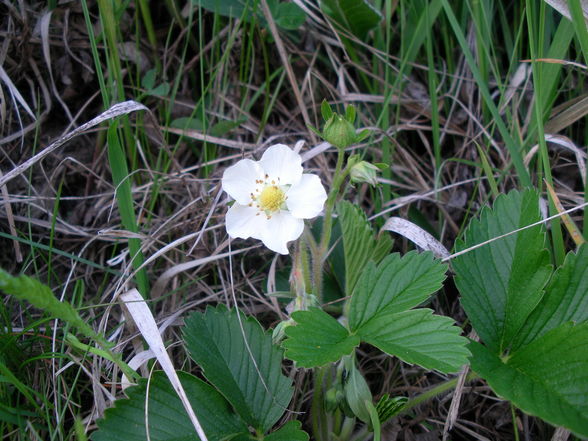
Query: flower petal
x: 280, y: 229
x: 280, y: 161
x: 307, y: 198
x: 243, y: 221
x: 239, y: 180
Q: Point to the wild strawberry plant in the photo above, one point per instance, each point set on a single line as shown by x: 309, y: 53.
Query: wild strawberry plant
x: 532, y: 321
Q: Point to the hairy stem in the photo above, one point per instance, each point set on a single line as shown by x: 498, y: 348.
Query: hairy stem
x: 435, y: 391
x: 317, y: 411
x: 319, y: 257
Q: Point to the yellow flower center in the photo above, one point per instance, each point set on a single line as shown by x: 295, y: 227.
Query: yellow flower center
x: 271, y: 198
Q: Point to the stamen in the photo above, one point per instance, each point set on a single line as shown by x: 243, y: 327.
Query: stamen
x: 271, y: 199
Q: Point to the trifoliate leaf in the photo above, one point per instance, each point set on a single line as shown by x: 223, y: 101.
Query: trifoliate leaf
x: 166, y: 419
x: 502, y: 282
x: 418, y: 337
x: 238, y: 357
x: 547, y: 378
x: 565, y: 299
x: 395, y: 285
x: 288, y: 432
x: 359, y: 243
x: 317, y: 339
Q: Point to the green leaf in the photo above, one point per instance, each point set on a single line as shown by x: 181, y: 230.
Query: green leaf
x: 565, y: 299
x: 17, y: 416
x: 387, y: 407
x: 382, y: 248
x: 326, y: 110
x: 502, y: 282
x: 288, y: 432
x: 7, y: 377
x: 187, y: 123
x: 238, y: 357
x: 223, y: 127
x: 226, y: 8
x: 40, y: 296
x: 148, y: 81
x: 395, y: 285
x: 359, y: 243
x: 418, y: 337
x: 122, y: 179
x: 547, y: 378
x: 317, y: 339
x: 286, y: 15
x: 350, y: 113
x: 289, y: 16
x: 161, y: 90
x: 356, y: 16
x: 166, y: 416
x: 357, y: 392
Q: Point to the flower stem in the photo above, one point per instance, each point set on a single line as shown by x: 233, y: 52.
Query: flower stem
x: 435, y: 391
x: 363, y: 433
x: 319, y: 257
x: 318, y: 415
x: 305, y: 246
x: 338, y: 178
x: 514, y: 422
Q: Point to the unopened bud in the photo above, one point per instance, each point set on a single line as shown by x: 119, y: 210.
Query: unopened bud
x: 279, y: 331
x: 364, y: 172
x: 339, y: 132
x: 332, y: 399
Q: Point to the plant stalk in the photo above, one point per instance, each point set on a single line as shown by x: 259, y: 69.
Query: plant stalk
x: 320, y: 256
x: 434, y: 391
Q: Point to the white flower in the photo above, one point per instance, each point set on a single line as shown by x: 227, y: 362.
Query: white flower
x: 272, y: 198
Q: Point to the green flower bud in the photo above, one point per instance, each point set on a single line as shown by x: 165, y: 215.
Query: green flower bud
x: 280, y: 331
x: 339, y: 132
x: 332, y: 399
x: 364, y: 172
x: 358, y: 394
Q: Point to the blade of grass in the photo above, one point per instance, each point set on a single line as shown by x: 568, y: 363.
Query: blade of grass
x: 552, y: 71
x: 116, y: 153
x: 124, y: 198
x: 567, y: 220
x: 579, y: 23
x: 30, y: 394
x: 511, y: 145
x: 432, y: 77
x: 95, y: 55
x: 415, y: 37
x: 148, y: 23
x: 536, y: 45
x: 488, y: 172
x: 60, y: 252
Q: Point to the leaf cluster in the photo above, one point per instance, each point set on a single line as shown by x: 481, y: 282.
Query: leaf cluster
x: 532, y: 322
x: 245, y: 388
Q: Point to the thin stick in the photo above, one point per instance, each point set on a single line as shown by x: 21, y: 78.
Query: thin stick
x: 543, y: 221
